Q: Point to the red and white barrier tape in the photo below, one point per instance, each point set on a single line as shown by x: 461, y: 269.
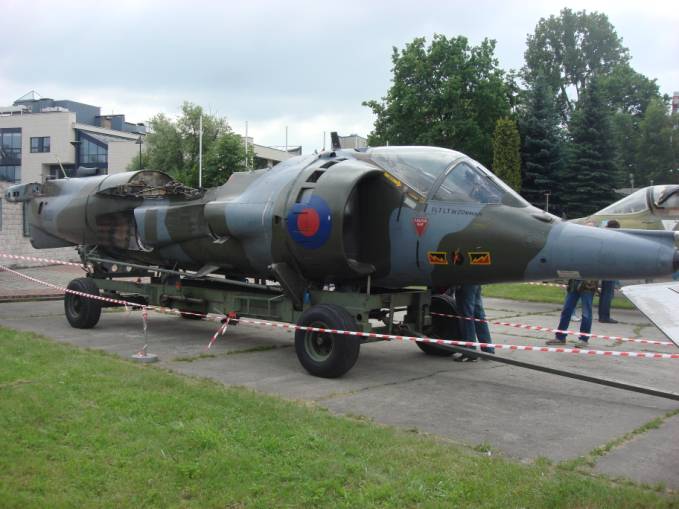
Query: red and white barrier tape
x: 549, y: 329
x: 472, y: 344
x: 34, y: 259
x: 230, y: 318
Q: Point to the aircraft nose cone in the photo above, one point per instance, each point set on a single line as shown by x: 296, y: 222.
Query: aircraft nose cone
x: 583, y: 252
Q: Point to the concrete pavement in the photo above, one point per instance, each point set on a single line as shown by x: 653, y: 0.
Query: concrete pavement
x: 520, y: 413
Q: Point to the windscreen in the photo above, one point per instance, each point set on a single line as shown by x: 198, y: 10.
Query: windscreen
x: 469, y: 182
x: 419, y: 167
x: 466, y: 184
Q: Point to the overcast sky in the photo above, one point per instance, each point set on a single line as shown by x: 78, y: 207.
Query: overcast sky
x: 299, y: 64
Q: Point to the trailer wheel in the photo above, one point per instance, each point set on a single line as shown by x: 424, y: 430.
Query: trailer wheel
x: 441, y: 326
x: 325, y: 354
x: 82, y: 312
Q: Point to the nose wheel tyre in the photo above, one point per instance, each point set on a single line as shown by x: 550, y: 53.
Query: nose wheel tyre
x: 326, y: 354
x: 82, y: 312
x: 441, y: 327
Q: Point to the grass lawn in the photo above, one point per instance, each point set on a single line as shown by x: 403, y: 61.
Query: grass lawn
x: 533, y: 293
x: 83, y: 429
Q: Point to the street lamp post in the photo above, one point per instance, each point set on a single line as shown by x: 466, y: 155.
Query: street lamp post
x: 139, y: 142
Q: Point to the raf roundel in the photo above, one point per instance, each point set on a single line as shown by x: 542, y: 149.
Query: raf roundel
x: 309, y: 224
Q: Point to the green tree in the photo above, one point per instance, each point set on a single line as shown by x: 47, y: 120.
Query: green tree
x: 589, y: 177
x: 172, y: 146
x: 625, y: 139
x: 448, y: 94
x: 541, y: 146
x: 656, y: 155
x: 629, y: 91
x: 570, y: 50
x: 506, y: 156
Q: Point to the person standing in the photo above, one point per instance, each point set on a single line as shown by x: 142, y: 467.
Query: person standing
x: 578, y: 290
x: 607, y: 289
x: 470, y: 304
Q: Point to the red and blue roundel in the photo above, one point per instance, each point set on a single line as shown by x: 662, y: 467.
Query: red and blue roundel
x: 309, y: 223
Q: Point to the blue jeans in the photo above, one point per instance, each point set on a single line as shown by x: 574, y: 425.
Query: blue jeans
x: 607, y: 290
x: 567, y: 311
x: 470, y: 303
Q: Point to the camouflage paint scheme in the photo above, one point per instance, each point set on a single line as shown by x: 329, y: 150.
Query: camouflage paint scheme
x: 401, y: 215
x: 649, y: 208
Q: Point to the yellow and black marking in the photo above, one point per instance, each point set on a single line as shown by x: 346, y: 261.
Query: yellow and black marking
x: 392, y: 179
x: 437, y: 258
x: 479, y: 258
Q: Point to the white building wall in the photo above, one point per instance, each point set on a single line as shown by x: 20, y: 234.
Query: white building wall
x: 120, y: 155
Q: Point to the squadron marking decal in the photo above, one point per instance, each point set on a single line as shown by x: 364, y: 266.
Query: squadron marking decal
x: 479, y: 258
x: 309, y: 224
x: 437, y: 258
x: 420, y: 224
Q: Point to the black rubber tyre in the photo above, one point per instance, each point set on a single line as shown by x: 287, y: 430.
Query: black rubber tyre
x: 82, y: 312
x: 441, y: 326
x: 324, y: 354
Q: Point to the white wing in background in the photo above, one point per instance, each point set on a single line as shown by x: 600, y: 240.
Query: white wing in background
x: 660, y: 303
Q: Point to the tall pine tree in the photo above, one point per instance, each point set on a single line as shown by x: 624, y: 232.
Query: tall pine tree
x: 589, y: 177
x: 541, y: 148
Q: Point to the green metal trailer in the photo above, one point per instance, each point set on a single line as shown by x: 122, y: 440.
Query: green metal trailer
x: 324, y: 354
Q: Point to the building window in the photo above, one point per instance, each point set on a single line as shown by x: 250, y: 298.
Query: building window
x: 41, y: 144
x: 92, y: 153
x: 27, y: 226
x: 10, y: 173
x: 10, y: 154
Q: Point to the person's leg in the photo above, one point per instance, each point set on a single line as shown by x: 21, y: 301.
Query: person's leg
x: 607, y: 288
x: 482, y: 330
x: 464, y: 298
x: 586, y: 324
x: 568, y: 307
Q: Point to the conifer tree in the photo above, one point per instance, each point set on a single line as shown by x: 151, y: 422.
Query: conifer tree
x: 589, y: 177
x: 541, y: 148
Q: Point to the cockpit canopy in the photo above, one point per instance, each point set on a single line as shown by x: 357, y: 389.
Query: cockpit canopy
x: 444, y: 175
x: 661, y: 198
x: 635, y: 202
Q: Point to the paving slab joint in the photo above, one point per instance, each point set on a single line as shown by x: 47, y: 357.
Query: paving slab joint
x: 589, y: 460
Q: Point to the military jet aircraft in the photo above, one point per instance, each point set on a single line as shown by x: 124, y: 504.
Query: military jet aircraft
x: 649, y: 208
x: 367, y: 223
x: 399, y: 215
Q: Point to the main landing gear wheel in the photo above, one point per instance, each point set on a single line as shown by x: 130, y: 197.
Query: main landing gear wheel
x: 82, y: 312
x: 325, y: 354
x: 441, y: 327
